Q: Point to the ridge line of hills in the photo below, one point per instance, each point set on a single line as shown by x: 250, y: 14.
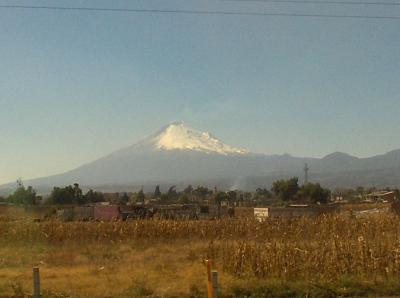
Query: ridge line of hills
x: 179, y: 155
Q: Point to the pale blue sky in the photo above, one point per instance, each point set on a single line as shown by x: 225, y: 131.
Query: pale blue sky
x: 75, y: 86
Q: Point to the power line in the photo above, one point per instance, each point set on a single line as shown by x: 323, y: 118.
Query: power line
x: 200, y: 12
x: 322, y: 2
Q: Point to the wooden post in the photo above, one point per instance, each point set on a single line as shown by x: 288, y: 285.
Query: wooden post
x: 36, y: 282
x: 209, y: 280
x: 214, y: 281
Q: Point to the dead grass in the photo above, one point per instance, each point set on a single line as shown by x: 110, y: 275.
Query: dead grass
x: 108, y: 270
x: 314, y: 257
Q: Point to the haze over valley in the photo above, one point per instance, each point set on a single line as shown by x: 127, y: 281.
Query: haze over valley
x: 179, y: 155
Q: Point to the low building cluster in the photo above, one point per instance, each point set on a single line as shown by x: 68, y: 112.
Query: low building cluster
x: 106, y: 212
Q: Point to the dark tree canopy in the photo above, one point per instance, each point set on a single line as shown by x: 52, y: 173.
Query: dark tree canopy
x: 289, y: 190
x: 202, y: 192
x: 188, y: 190
x: 124, y: 199
x: 94, y: 197
x: 314, y: 193
x: 67, y: 195
x: 157, y: 192
x: 183, y: 198
x: 23, y: 195
x: 286, y: 189
x: 140, y: 196
x: 263, y: 192
x: 232, y: 195
x: 219, y: 197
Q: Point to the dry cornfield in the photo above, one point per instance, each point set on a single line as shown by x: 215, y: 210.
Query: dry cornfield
x: 311, y: 248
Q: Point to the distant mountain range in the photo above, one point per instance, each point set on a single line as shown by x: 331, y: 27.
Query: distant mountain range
x: 179, y: 155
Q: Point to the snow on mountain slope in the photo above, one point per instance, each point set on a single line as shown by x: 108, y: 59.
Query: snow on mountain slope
x: 177, y: 136
x: 181, y: 155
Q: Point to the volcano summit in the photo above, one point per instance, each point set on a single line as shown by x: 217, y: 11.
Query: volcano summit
x: 179, y: 155
x: 177, y: 136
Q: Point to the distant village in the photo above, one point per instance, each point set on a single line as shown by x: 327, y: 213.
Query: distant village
x: 286, y: 198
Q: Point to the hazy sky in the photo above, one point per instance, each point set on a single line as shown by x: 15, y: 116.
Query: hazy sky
x: 76, y: 85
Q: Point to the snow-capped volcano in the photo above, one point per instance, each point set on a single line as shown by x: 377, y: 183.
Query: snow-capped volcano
x: 178, y: 136
x: 180, y: 155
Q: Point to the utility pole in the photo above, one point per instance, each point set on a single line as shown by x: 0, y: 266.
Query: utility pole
x: 306, y: 169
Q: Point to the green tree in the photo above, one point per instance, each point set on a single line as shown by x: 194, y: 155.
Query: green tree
x: 263, y: 192
x: 314, y: 193
x: 219, y: 197
x: 172, y: 193
x: 183, y: 198
x: 157, y: 192
x: 360, y: 190
x: 78, y: 197
x: 231, y: 196
x: 23, y: 195
x: 286, y: 189
x: 202, y: 192
x: 140, y: 196
x: 94, y: 197
x: 67, y: 195
x: 188, y: 190
x: 62, y: 195
x: 124, y: 199
x: 262, y: 195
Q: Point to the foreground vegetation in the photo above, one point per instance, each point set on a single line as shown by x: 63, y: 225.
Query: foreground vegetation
x: 320, y: 257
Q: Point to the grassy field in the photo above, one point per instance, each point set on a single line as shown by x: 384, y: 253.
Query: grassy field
x: 314, y: 257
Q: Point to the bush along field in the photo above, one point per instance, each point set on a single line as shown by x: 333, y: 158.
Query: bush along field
x: 324, y: 256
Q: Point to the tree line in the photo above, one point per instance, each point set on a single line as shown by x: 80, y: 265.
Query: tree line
x: 283, y: 190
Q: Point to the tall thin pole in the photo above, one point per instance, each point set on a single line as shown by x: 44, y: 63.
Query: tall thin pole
x: 36, y: 282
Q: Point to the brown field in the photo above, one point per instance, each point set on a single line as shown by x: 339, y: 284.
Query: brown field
x: 314, y: 257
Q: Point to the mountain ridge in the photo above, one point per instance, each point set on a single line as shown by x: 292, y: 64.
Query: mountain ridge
x: 179, y: 154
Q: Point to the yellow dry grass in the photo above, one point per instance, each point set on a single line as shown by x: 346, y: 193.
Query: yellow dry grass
x: 111, y: 270
x: 164, y: 258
